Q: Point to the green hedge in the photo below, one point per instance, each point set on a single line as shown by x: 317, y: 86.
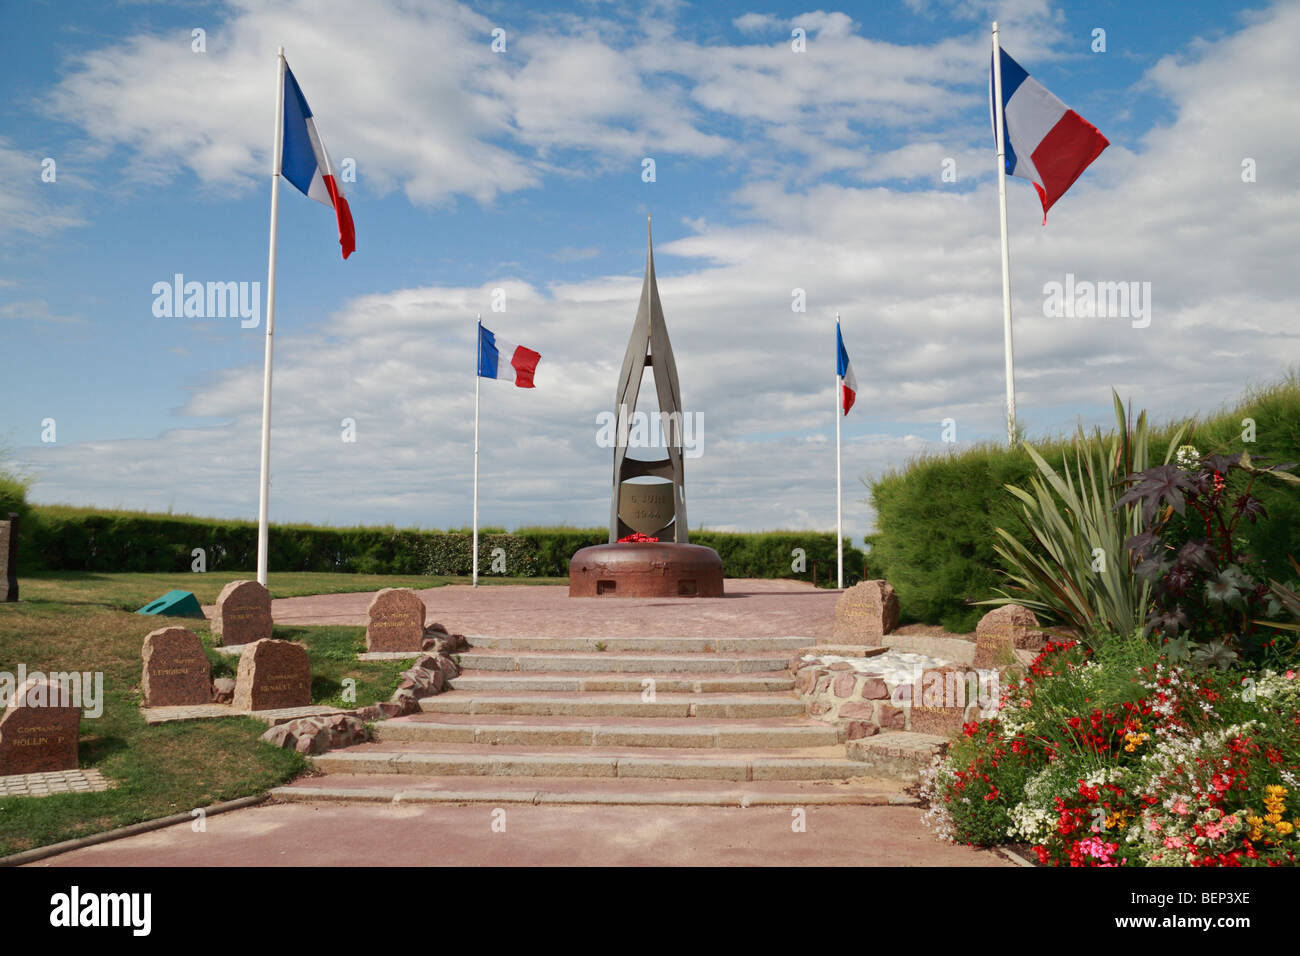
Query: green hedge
x: 13, y: 490
x: 13, y: 499
x: 936, y: 517
x: 73, y: 539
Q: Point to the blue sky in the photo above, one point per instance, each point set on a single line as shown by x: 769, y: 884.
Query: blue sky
x: 522, y: 170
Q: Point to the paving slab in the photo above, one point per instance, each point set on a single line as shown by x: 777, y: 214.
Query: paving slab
x: 332, y: 835
x: 664, y: 644
x: 51, y: 782
x: 751, y: 608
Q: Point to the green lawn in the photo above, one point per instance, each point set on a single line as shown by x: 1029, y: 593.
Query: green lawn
x: 79, y: 621
x: 132, y: 591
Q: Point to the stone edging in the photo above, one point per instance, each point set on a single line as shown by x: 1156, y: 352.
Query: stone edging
x: 54, y: 849
x: 1013, y: 856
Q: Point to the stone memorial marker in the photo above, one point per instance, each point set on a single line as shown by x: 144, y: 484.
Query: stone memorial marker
x: 243, y: 613
x: 865, y: 613
x: 942, y: 700
x: 1004, y: 629
x: 176, y: 671
x: 272, y: 674
x: 395, y: 621
x: 39, y: 729
x: 9, y: 559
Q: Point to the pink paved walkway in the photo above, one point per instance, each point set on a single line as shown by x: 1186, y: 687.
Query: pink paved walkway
x: 332, y: 835
x: 751, y: 608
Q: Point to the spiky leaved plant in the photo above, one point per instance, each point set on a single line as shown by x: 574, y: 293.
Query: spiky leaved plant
x: 1076, y: 571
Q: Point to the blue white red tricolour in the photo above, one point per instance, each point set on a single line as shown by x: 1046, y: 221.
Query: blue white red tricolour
x: 848, y: 381
x: 498, y: 358
x: 305, y: 163
x: 1046, y: 142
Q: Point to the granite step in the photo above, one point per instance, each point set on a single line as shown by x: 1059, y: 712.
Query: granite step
x: 667, y: 645
x: 663, y: 763
x: 386, y: 788
x: 681, y: 683
x: 585, y: 704
x: 897, y: 754
x: 956, y: 650
x: 623, y: 662
x: 616, y: 732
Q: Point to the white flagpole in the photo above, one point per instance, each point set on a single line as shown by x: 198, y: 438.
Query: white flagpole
x: 276, y: 158
x: 478, y: 339
x: 1006, y: 248
x: 839, y: 494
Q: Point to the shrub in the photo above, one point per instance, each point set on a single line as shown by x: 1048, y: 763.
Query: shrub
x: 13, y: 490
x: 935, y: 542
x: 76, y: 539
x: 935, y: 518
x: 1077, y: 571
x: 1208, y: 589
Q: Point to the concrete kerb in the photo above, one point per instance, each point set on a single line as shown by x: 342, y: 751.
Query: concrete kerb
x: 54, y: 849
x: 350, y: 795
x: 1012, y: 856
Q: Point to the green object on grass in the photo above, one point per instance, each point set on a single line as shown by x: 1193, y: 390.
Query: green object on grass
x: 174, y: 604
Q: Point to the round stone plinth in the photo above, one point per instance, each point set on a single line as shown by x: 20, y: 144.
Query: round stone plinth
x: 645, y: 569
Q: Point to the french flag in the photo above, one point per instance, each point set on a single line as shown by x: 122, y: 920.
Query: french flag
x: 498, y: 358
x: 1046, y: 142
x: 305, y: 163
x: 848, y: 381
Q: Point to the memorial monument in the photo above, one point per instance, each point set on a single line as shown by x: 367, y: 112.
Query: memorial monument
x: 667, y: 565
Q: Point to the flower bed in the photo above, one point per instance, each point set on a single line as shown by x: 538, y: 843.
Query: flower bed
x: 1115, y: 757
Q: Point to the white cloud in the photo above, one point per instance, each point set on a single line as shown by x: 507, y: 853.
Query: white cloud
x: 402, y: 90
x: 757, y: 23
x: 914, y: 273
x: 446, y: 116
x: 36, y: 310
x: 28, y: 205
